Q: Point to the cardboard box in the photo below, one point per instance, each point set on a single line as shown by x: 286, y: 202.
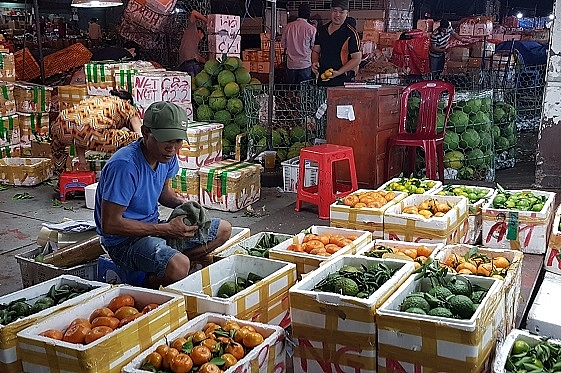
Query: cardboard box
x: 387, y: 38
x: 362, y: 218
x: 367, y: 47
x: 374, y: 25
x: 229, y: 185
x: 223, y: 22
x: 151, y: 86
x: 203, y: 147
x: 552, y: 259
x: 25, y: 171
x: 466, y: 28
x: 427, y: 25
x: 308, y: 262
x: 7, y: 67
x: 9, y: 151
x: 32, y: 98
x: 460, y: 54
x: 100, y: 77
x: 509, y: 37
x: 224, y: 43
x: 410, y: 343
x: 518, y: 230
x: 33, y: 126
x: 242, y: 246
x: 186, y: 184
x: 398, y: 245
x: 480, y: 49
x: 7, y: 101
x: 267, y: 357
x: 70, y: 95
x: 453, y: 227
x: 111, y: 352
x: 265, y: 301
x: 263, y: 67
x: 330, y: 330
x: 10, y: 132
x: 373, y: 36
x: 10, y: 361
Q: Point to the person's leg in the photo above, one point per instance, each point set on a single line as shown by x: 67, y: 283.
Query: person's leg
x: 290, y: 76
x: 59, y: 142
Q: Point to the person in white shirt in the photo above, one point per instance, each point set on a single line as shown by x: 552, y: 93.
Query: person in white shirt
x: 298, y: 40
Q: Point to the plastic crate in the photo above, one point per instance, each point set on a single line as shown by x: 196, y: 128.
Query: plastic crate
x: 33, y: 272
x: 291, y: 171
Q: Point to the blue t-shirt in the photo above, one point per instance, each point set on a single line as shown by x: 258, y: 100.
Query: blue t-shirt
x: 128, y: 180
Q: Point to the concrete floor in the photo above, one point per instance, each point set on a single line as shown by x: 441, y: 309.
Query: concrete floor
x: 20, y: 222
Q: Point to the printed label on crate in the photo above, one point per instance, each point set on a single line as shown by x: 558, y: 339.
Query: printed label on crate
x: 223, y: 22
x: 138, y: 12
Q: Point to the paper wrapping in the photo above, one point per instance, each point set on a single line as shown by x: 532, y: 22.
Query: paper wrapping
x: 7, y: 101
x: 186, y: 184
x: 7, y: 67
x: 32, y: 98
x: 203, y: 147
x: 10, y: 132
x: 25, y: 171
x: 33, y: 126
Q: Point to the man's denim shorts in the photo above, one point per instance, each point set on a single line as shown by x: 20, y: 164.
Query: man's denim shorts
x: 151, y: 254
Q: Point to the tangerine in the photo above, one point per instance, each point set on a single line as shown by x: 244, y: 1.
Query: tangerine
x: 501, y: 262
x: 82, y: 321
x: 209, y: 368
x: 485, y: 269
x: 125, y: 311
x: 240, y: 334
x: 168, y: 357
x: 178, y: 343
x: 229, y: 360
x: 149, y: 307
x: 111, y: 322
x: 182, y: 363
x: 253, y: 339
x: 103, y: 311
x: 200, y: 355
x: 76, y: 333
x: 152, y: 361
x: 97, y: 332
x: 52, y: 333
x: 125, y: 320
x: 235, y: 349
x: 120, y: 301
x: 212, y: 344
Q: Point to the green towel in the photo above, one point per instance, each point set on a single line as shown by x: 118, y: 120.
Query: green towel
x: 195, y: 214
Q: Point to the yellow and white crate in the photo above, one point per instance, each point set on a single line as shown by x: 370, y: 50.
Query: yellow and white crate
x: 10, y: 131
x: 32, y: 98
x: 363, y: 218
x: 308, y: 262
x: 399, y: 245
x: 447, y: 229
x: 110, y: 353
x: 70, y: 95
x: 333, y: 332
x: 527, y: 231
x: 552, y: 259
x: 10, y: 361
x: 186, y: 184
x: 411, y: 343
x: 203, y: 147
x: 265, y: 301
x: 7, y: 100
x: 25, y: 171
x: 33, y: 126
x: 238, y: 234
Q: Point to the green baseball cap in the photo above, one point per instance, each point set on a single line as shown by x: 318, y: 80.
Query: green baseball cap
x: 166, y: 121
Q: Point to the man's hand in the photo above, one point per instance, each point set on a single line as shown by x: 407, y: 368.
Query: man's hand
x: 315, y: 68
x: 178, y: 229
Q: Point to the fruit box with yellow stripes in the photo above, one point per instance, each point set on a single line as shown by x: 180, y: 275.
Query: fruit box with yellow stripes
x: 265, y: 301
x: 238, y: 235
x: 527, y: 231
x: 306, y: 262
x: 109, y: 353
x: 411, y: 343
x: 343, y: 213
x: 33, y: 126
x: 337, y: 331
x: 186, y: 184
x: 204, y: 145
x: 229, y: 185
x: 10, y: 361
x: 267, y: 357
x: 447, y: 229
x: 512, y: 281
x: 70, y: 95
x: 400, y: 250
x: 552, y: 259
x: 100, y: 76
x: 25, y: 171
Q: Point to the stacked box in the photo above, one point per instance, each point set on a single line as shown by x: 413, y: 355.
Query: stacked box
x: 10, y: 132
x: 363, y: 218
x: 7, y: 67
x: 225, y: 44
x: 453, y: 227
x: 10, y: 361
x: 387, y: 39
x: 374, y: 25
x: 33, y: 126
x: 151, y: 86
x: 224, y: 35
x: 518, y: 230
x: 9, y: 151
x: 411, y: 343
x: 229, y: 185
x: 223, y: 22
x: 7, y: 101
x: 460, y: 54
x: 267, y: 357
x: 111, y: 352
x: 481, y: 49
x: 25, y: 171
x: 70, y: 95
x: 265, y: 301
x: 291, y: 171
x: 203, y: 145
x: 338, y: 332
x: 371, y: 35
x: 32, y: 98
x: 186, y: 184
x: 100, y: 77
x: 552, y: 259
x: 308, y: 262
x: 125, y: 78
x: 242, y: 246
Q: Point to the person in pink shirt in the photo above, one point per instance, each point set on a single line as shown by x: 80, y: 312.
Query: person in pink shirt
x: 298, y: 40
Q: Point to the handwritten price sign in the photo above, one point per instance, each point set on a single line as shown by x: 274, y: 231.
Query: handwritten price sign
x: 223, y: 22
x: 150, y: 87
x: 224, y: 44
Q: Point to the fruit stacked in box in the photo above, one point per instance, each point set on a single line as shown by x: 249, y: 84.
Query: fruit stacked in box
x: 524, y: 352
x: 214, y: 343
x: 476, y: 197
x: 552, y: 260
x: 247, y: 287
x: 411, y: 185
x: 418, y: 253
x: 25, y: 307
x: 498, y: 263
x: 110, y: 352
x: 333, y: 312
x: 439, y: 322
x: 364, y: 210
x: 316, y: 245
x: 427, y: 218
x: 518, y: 220
x: 256, y: 245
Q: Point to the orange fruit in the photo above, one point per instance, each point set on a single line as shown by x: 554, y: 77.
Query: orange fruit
x: 309, y: 237
x: 424, y: 251
x: 125, y: 311
x: 149, y: 307
x: 199, y: 336
x: 103, y: 311
x: 240, y: 334
x: 52, y: 333
x: 235, y: 349
x: 127, y: 319
x: 501, y: 262
x: 111, y: 322
x: 152, y: 361
x: 296, y: 247
x: 120, y: 301
x: 212, y: 344
x: 485, y: 269
x: 182, y: 363
x: 468, y: 266
x: 229, y: 360
x: 200, y: 355
x: 252, y: 339
x: 162, y: 349
x: 209, y: 368
x: 178, y: 343
x: 412, y: 253
x: 76, y: 333
x: 168, y: 357
x: 231, y: 325
x: 82, y: 321
x: 97, y: 332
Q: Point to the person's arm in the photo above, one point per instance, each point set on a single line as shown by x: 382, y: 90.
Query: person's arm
x: 456, y: 36
x: 169, y: 198
x: 316, y: 50
x: 136, y: 124
x: 196, y: 15
x: 351, y: 64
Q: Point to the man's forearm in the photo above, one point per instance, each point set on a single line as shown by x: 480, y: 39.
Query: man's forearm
x: 351, y: 64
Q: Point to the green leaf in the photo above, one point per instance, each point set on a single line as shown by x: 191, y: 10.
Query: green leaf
x: 217, y: 361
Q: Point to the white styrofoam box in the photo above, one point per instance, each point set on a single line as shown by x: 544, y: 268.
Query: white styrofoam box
x: 219, y: 43
x: 450, y: 228
x: 437, y: 184
x: 399, y: 245
x: 186, y: 184
x: 475, y: 217
x: 532, y: 228
x: 265, y: 301
x: 417, y: 343
x: 124, y: 79
x: 247, y: 243
x: 151, y: 86
x: 9, y: 357
x: 466, y: 28
x: 364, y: 218
x: 374, y: 25
x: 552, y: 259
x: 203, y: 145
x: 223, y: 22
x: 308, y: 262
x: 291, y: 171
x: 484, y: 28
x: 110, y: 353
x: 543, y: 318
x: 100, y: 75
x: 504, y: 351
x: 334, y: 330
x: 188, y: 107
x: 512, y: 281
x: 238, y: 234
x: 267, y: 357
x: 90, y: 195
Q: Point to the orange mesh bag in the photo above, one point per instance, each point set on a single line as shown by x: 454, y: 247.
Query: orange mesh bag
x: 65, y: 59
x: 27, y: 67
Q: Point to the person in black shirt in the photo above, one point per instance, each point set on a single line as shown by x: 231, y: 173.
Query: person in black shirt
x: 337, y: 47
x: 127, y: 53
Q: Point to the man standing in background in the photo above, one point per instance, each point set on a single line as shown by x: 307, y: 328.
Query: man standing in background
x: 438, y: 46
x: 94, y: 32
x: 190, y: 60
x: 298, y: 40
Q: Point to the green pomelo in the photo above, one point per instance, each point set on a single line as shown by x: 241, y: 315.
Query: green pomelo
x: 297, y: 134
x: 212, y: 67
x: 242, y: 75
x: 496, y: 131
x: 223, y: 116
x: 512, y: 139
x: 231, y: 131
x: 473, y: 105
x: 451, y: 141
x: 489, y: 157
x: 440, y: 122
x: 257, y: 132
x: 217, y: 100
x: 466, y: 173
x: 440, y: 312
x: 234, y: 105
x: 498, y: 115
x: 231, y: 89
x: 202, y: 79
x: 225, y: 77
x: 486, y: 140
x: 204, y: 113
x: 201, y: 95
x: 232, y: 63
x: 507, y: 130
x: 486, y: 104
x: 227, y: 146
x: 282, y: 154
x: 241, y: 120
x: 501, y: 143
x: 454, y: 159
x: 469, y: 139
x: 479, y: 119
x: 285, y: 136
x: 255, y: 85
x: 459, y: 120
x: 475, y: 158
x: 277, y: 139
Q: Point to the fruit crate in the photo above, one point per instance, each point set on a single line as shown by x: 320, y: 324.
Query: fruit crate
x: 291, y: 171
x: 186, y: 183
x: 527, y: 231
x: 387, y: 185
x: 238, y: 235
x: 203, y: 147
x: 241, y: 246
x: 321, y: 318
x: 269, y: 356
x: 552, y: 259
x: 25, y: 171
x: 400, y: 245
x: 10, y: 361
x: 409, y: 342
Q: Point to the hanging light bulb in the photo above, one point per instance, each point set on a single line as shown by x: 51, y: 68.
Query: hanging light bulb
x: 519, y: 15
x: 96, y: 3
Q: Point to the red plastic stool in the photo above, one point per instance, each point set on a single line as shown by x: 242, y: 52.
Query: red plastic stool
x: 328, y: 189
x: 74, y: 181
